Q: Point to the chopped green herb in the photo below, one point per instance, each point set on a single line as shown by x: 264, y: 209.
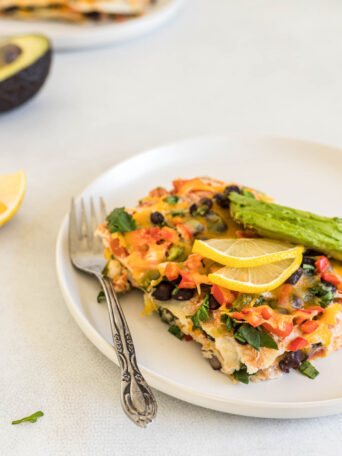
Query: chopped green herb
x: 306, y: 368
x: 101, y: 297
x: 176, y: 253
x: 105, y: 269
x: 120, y: 221
x: 172, y: 199
x: 165, y: 315
x: 202, y: 210
x: 175, y: 330
x: 228, y: 321
x: 177, y: 213
x: 308, y: 267
x: 32, y: 418
x: 202, y: 313
x: 243, y: 300
x: 259, y: 301
x: 266, y: 340
x: 324, y: 293
x: 242, y: 375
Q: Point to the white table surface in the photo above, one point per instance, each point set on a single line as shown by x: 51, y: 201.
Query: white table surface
x: 269, y: 66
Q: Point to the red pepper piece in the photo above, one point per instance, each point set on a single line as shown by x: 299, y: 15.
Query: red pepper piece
x: 309, y: 326
x: 222, y: 296
x: 283, y: 331
x: 322, y: 264
x: 266, y: 313
x: 187, y: 337
x: 297, y: 344
x: 330, y: 277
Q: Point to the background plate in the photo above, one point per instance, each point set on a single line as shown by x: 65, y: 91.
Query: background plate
x: 80, y: 36
x: 286, y: 169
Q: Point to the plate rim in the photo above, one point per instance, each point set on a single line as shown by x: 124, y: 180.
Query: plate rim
x: 252, y: 408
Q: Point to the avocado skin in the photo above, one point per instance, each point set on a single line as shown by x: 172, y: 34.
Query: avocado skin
x: 19, y: 88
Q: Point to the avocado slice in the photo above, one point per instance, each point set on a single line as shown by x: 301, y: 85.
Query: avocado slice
x: 280, y: 222
x: 24, y: 65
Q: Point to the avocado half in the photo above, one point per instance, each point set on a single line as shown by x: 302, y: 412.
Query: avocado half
x: 24, y: 65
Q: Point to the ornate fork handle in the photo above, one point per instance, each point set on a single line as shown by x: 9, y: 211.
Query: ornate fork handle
x: 136, y: 397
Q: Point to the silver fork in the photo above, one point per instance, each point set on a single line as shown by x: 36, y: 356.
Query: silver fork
x: 86, y: 253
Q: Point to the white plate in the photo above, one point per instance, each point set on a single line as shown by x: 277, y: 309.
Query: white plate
x: 66, y: 36
x: 298, y: 173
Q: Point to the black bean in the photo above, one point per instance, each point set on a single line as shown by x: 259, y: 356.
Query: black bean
x: 330, y: 285
x: 183, y: 294
x: 293, y: 279
x: 163, y: 291
x: 215, y: 222
x: 230, y: 189
x: 215, y: 363
x: 296, y: 302
x: 291, y: 360
x: 308, y: 260
x: 312, y: 252
x: 94, y: 15
x: 222, y: 200
x: 213, y: 304
x: 193, y: 208
x: 175, y: 282
x: 157, y: 218
x: 206, y: 202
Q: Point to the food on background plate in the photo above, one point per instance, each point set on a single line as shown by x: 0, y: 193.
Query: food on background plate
x: 12, y: 191
x: 24, y: 65
x: 258, y: 306
x: 76, y: 11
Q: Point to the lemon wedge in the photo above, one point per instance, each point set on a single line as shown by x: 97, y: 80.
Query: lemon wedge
x: 246, y: 252
x: 12, y: 191
x: 257, y: 279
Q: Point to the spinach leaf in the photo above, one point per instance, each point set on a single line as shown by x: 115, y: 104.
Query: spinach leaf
x: 177, y: 213
x: 246, y: 333
x: 175, y: 330
x: 120, y: 221
x: 242, y: 375
x: 32, y: 418
x: 202, y: 314
x: 228, y: 321
x: 242, y: 301
x: 266, y: 340
x: 306, y: 368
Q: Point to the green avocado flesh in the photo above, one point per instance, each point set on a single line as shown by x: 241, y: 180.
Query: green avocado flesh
x: 280, y: 222
x: 24, y: 65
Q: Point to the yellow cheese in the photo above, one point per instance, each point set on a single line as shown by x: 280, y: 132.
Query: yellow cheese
x: 329, y: 316
x: 150, y: 305
x: 323, y: 333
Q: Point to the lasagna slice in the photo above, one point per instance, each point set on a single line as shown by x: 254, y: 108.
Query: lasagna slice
x: 246, y: 336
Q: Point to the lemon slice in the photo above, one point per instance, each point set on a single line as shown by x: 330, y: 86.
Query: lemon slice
x: 246, y: 252
x: 12, y: 191
x: 258, y: 279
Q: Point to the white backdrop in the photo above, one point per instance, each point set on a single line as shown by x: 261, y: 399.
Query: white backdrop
x: 264, y: 66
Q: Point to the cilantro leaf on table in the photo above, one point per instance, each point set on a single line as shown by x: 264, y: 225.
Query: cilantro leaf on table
x: 32, y: 418
x: 120, y: 221
x: 101, y: 297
